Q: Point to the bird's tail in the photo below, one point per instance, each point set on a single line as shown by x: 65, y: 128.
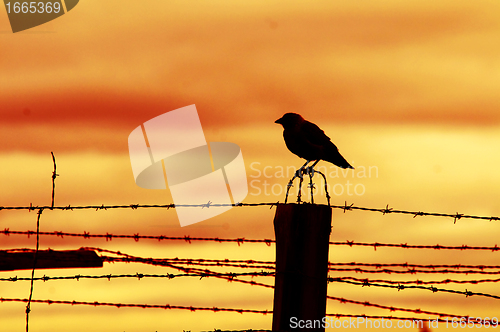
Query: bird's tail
x: 336, y: 158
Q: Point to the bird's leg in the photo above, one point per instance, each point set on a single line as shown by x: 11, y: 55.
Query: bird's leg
x: 310, y: 169
x: 299, y: 172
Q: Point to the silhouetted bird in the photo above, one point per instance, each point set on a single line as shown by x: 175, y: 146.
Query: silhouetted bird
x: 308, y: 141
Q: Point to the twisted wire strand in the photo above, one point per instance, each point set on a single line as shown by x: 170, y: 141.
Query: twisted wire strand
x: 400, y: 287
x: 387, y: 210
x: 417, y: 282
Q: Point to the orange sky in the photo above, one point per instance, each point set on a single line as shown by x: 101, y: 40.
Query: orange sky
x: 410, y: 88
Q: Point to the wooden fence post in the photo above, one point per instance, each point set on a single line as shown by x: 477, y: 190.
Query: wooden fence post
x: 302, y: 241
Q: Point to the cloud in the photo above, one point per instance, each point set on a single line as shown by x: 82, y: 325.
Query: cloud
x: 414, y: 63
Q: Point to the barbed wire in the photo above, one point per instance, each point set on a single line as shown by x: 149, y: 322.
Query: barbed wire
x: 207, y: 272
x: 28, y: 305
x: 392, y: 308
x: 160, y: 261
x: 134, y: 305
x: 387, y: 210
x: 376, y: 245
x: 32, y: 207
x: 171, y: 261
x: 409, y: 265
x: 239, y: 241
x: 230, y: 276
x: 363, y: 283
x: 250, y: 263
x: 421, y: 282
x: 167, y: 262
x: 200, y: 272
x: 271, y: 265
x: 137, y: 237
x: 400, y: 287
x: 140, y: 276
x: 413, y: 271
x: 241, y: 311
x: 54, y: 175
x: 151, y: 261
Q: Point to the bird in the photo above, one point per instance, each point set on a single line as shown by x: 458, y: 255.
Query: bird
x: 306, y: 140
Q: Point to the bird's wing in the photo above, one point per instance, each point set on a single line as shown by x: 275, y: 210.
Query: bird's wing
x: 314, y: 134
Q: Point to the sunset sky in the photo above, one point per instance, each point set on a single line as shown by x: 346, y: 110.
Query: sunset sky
x: 408, y: 91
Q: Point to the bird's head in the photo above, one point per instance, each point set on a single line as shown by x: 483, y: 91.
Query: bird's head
x: 290, y: 120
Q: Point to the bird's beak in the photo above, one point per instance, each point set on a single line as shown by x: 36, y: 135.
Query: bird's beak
x: 278, y: 121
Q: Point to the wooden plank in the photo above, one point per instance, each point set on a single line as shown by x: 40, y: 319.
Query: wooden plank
x: 302, y: 242
x: 49, y: 259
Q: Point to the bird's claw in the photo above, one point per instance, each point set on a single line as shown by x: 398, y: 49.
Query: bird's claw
x: 310, y: 171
